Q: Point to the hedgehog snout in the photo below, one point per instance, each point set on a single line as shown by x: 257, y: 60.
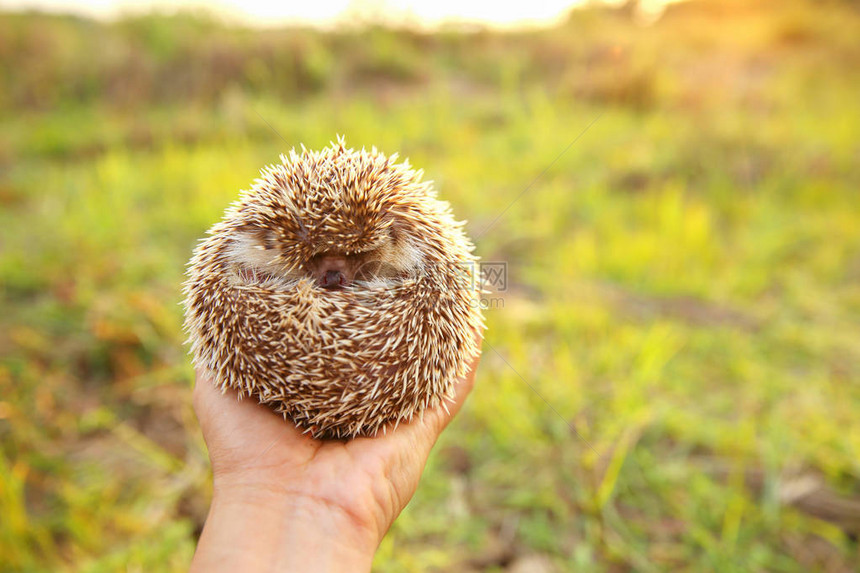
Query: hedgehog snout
x: 333, y: 272
x: 333, y: 280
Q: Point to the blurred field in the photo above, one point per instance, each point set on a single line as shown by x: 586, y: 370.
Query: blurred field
x: 684, y: 282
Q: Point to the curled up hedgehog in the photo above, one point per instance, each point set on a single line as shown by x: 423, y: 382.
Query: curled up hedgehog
x: 339, y: 291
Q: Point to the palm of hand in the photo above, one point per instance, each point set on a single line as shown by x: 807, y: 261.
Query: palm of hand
x: 367, y: 480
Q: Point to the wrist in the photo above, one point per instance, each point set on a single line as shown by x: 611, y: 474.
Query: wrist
x: 260, y: 527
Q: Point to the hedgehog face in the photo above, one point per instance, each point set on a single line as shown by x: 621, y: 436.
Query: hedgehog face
x: 263, y: 256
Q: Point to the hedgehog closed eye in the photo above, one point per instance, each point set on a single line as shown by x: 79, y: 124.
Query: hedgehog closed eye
x: 322, y: 301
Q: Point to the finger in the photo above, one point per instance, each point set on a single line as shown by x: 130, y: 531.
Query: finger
x: 214, y: 407
x: 205, y: 398
x: 427, y: 428
x: 226, y: 413
x: 439, y: 418
x: 423, y: 431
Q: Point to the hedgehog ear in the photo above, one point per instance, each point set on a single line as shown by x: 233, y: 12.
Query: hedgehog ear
x: 262, y: 237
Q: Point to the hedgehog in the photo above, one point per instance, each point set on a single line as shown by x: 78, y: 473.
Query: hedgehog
x: 339, y: 291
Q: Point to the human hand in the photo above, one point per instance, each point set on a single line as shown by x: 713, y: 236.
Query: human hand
x: 285, y: 501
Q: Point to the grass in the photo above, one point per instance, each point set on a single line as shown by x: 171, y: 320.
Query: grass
x: 683, y: 306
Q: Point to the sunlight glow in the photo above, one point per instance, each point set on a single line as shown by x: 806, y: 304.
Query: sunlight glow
x: 327, y: 13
